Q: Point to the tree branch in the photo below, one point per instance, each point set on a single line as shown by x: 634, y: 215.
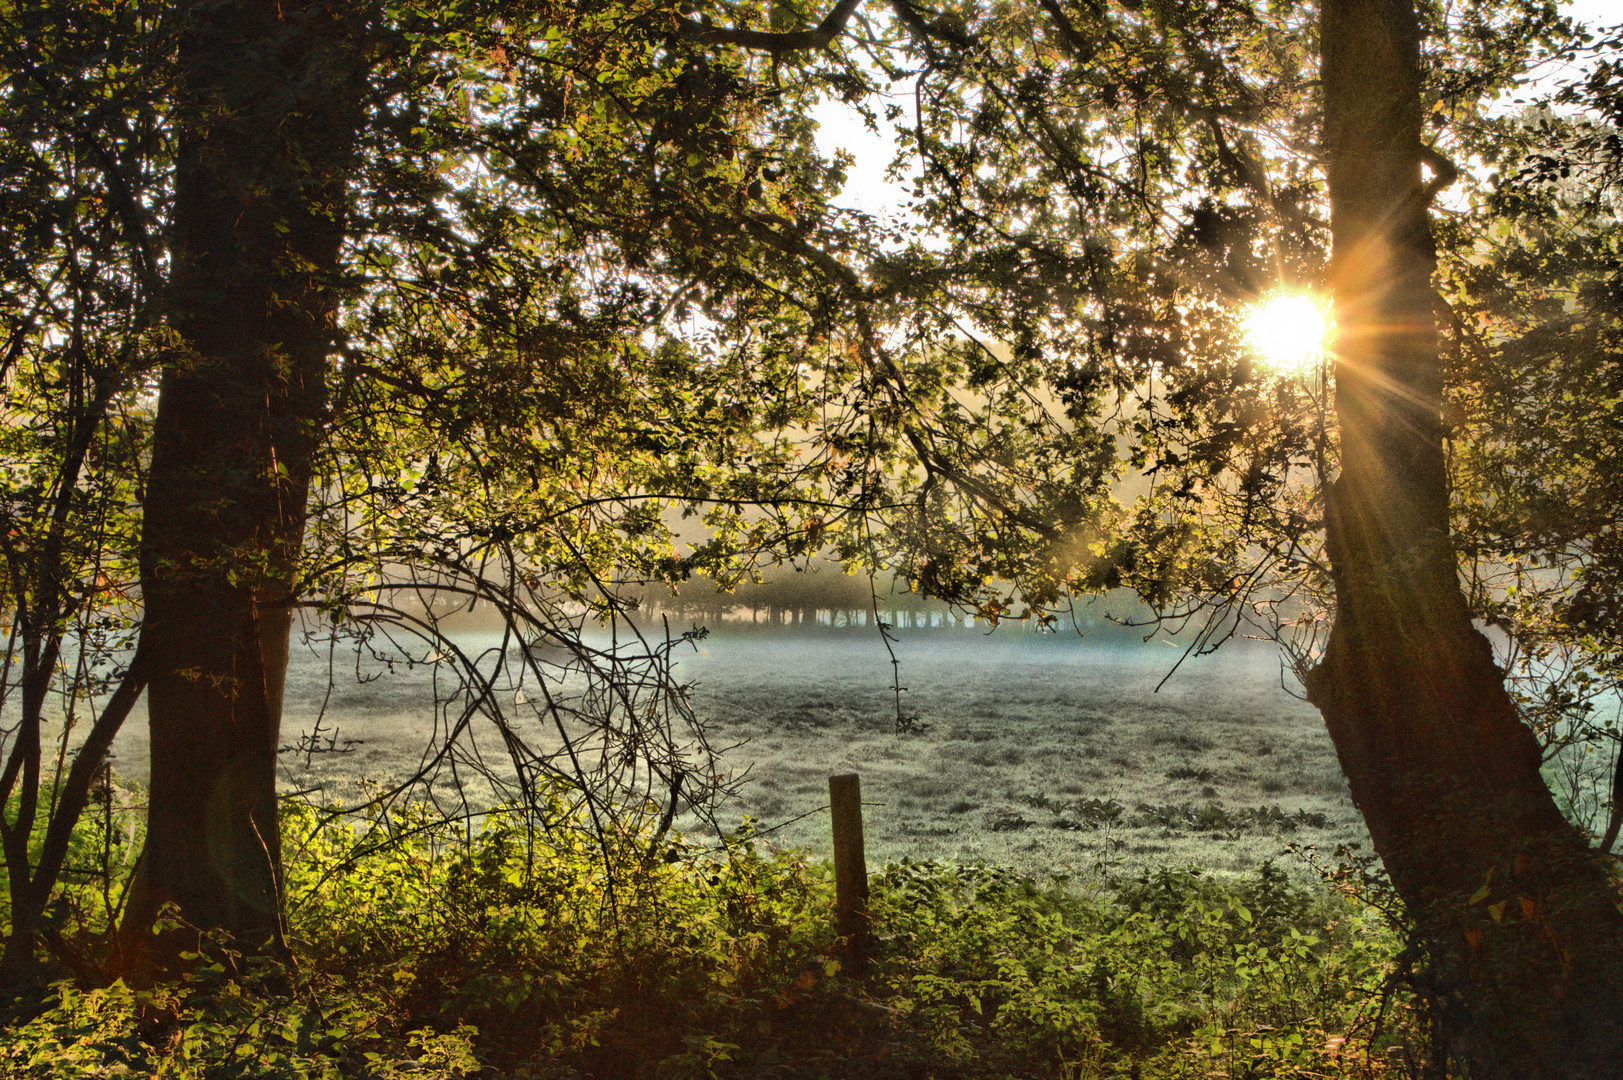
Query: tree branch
x: 774, y: 42
x: 928, y: 31
x: 86, y: 764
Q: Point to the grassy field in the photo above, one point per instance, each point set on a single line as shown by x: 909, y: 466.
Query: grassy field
x: 1041, y: 753
x: 1033, y: 763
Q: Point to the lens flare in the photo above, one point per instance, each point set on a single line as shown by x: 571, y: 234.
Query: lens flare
x: 1289, y: 331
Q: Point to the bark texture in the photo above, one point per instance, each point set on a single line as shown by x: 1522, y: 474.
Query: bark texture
x: 1518, y: 916
x: 267, y: 121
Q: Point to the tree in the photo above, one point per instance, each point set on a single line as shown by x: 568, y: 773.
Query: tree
x: 80, y: 308
x: 1439, y: 762
x: 267, y: 112
x: 402, y: 282
x: 1111, y: 188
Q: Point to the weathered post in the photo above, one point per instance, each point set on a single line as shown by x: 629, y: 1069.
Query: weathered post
x: 850, y: 869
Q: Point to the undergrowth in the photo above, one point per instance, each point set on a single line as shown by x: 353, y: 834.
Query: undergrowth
x: 426, y: 949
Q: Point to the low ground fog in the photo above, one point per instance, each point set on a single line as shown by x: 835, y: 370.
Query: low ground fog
x: 1043, y: 752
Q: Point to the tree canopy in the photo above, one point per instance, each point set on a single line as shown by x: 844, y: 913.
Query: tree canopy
x: 493, y: 286
x: 371, y: 311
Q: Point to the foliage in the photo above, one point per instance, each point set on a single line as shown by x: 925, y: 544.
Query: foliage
x: 100, y: 856
x: 425, y: 948
x: 1170, y: 974
x: 568, y: 312
x: 80, y: 175
x: 1112, y: 188
x: 551, y: 947
x: 212, y: 1025
x: 1535, y: 404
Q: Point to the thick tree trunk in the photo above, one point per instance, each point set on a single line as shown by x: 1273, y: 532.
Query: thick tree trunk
x: 267, y: 127
x: 1519, y: 918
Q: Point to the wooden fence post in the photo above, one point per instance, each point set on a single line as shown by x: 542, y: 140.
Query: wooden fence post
x: 851, y: 920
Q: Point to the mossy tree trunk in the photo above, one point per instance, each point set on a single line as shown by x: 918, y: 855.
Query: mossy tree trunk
x: 1517, y: 913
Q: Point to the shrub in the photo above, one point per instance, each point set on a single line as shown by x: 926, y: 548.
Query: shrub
x: 564, y: 945
x: 528, y: 945
x: 1171, y: 974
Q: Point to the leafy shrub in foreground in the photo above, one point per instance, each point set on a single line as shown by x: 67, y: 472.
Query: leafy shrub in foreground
x: 101, y: 854
x: 1167, y: 975
x: 565, y: 944
x: 211, y: 1025
x: 531, y: 947
x: 423, y: 948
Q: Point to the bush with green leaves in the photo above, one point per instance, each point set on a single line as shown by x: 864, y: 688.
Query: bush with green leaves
x: 100, y: 856
x: 428, y: 947
x: 526, y: 944
x: 556, y: 941
x: 223, y: 1021
x: 1172, y: 974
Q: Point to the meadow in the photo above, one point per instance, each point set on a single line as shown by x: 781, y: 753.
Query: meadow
x: 1074, y: 874
x: 1043, y: 753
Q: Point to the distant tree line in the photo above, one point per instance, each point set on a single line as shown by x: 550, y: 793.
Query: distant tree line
x: 821, y: 596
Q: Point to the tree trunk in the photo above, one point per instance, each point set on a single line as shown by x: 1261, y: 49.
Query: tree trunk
x: 1517, y: 914
x: 267, y: 124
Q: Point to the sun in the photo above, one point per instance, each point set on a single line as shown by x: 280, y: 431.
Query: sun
x: 1289, y: 331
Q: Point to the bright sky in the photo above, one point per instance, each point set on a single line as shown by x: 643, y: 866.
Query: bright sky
x: 1594, y: 12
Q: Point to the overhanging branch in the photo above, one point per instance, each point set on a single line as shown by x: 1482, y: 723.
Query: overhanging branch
x: 775, y: 42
